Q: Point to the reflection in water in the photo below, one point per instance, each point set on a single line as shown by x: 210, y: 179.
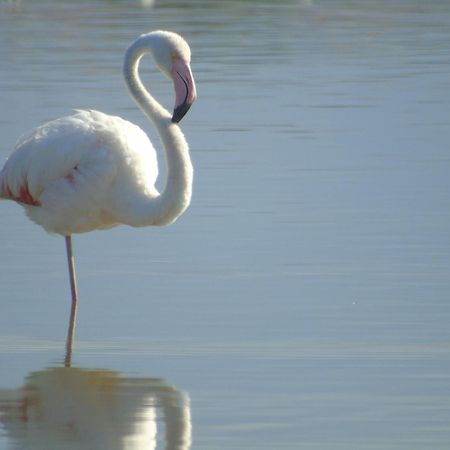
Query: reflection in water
x: 67, y: 407
x: 94, y: 409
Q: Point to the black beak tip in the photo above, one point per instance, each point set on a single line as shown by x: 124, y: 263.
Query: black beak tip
x: 180, y: 111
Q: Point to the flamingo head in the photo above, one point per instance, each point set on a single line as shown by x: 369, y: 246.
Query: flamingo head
x: 173, y: 56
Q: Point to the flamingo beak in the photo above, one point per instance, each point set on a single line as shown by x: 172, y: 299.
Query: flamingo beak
x: 185, y: 92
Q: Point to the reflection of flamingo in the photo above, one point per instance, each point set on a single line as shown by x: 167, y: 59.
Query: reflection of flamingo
x: 92, y: 171
x: 72, y: 408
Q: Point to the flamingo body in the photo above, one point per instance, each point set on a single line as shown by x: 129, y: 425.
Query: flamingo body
x: 80, y: 173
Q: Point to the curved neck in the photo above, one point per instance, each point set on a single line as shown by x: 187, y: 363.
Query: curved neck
x: 176, y: 195
x: 151, y: 108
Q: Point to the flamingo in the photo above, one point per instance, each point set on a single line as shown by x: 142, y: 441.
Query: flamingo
x: 90, y: 171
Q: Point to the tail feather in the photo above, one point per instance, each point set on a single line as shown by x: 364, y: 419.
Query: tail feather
x: 2, y: 186
x: 5, y: 191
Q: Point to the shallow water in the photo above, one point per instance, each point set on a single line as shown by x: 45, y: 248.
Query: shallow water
x: 302, y: 302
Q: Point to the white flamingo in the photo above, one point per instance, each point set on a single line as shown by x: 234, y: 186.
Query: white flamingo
x: 93, y: 171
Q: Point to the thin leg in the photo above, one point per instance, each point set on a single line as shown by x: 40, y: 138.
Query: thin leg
x: 73, y: 309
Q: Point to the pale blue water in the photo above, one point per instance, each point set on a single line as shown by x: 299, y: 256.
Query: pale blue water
x: 302, y: 302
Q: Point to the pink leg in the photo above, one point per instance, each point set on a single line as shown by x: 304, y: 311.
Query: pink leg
x: 73, y: 309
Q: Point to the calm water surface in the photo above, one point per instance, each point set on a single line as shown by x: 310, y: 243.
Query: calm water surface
x: 302, y: 302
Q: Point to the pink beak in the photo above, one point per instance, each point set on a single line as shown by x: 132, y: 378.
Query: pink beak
x: 185, y: 92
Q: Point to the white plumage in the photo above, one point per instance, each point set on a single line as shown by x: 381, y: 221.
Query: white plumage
x: 83, y: 170
x: 92, y: 171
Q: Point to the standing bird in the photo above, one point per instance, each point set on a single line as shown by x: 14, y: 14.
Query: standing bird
x: 90, y: 171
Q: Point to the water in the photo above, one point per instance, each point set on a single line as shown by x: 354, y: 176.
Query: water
x: 302, y: 301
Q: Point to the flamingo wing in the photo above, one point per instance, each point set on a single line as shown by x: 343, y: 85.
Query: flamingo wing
x: 65, y: 171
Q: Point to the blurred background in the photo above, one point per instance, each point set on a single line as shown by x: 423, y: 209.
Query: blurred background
x: 302, y: 301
